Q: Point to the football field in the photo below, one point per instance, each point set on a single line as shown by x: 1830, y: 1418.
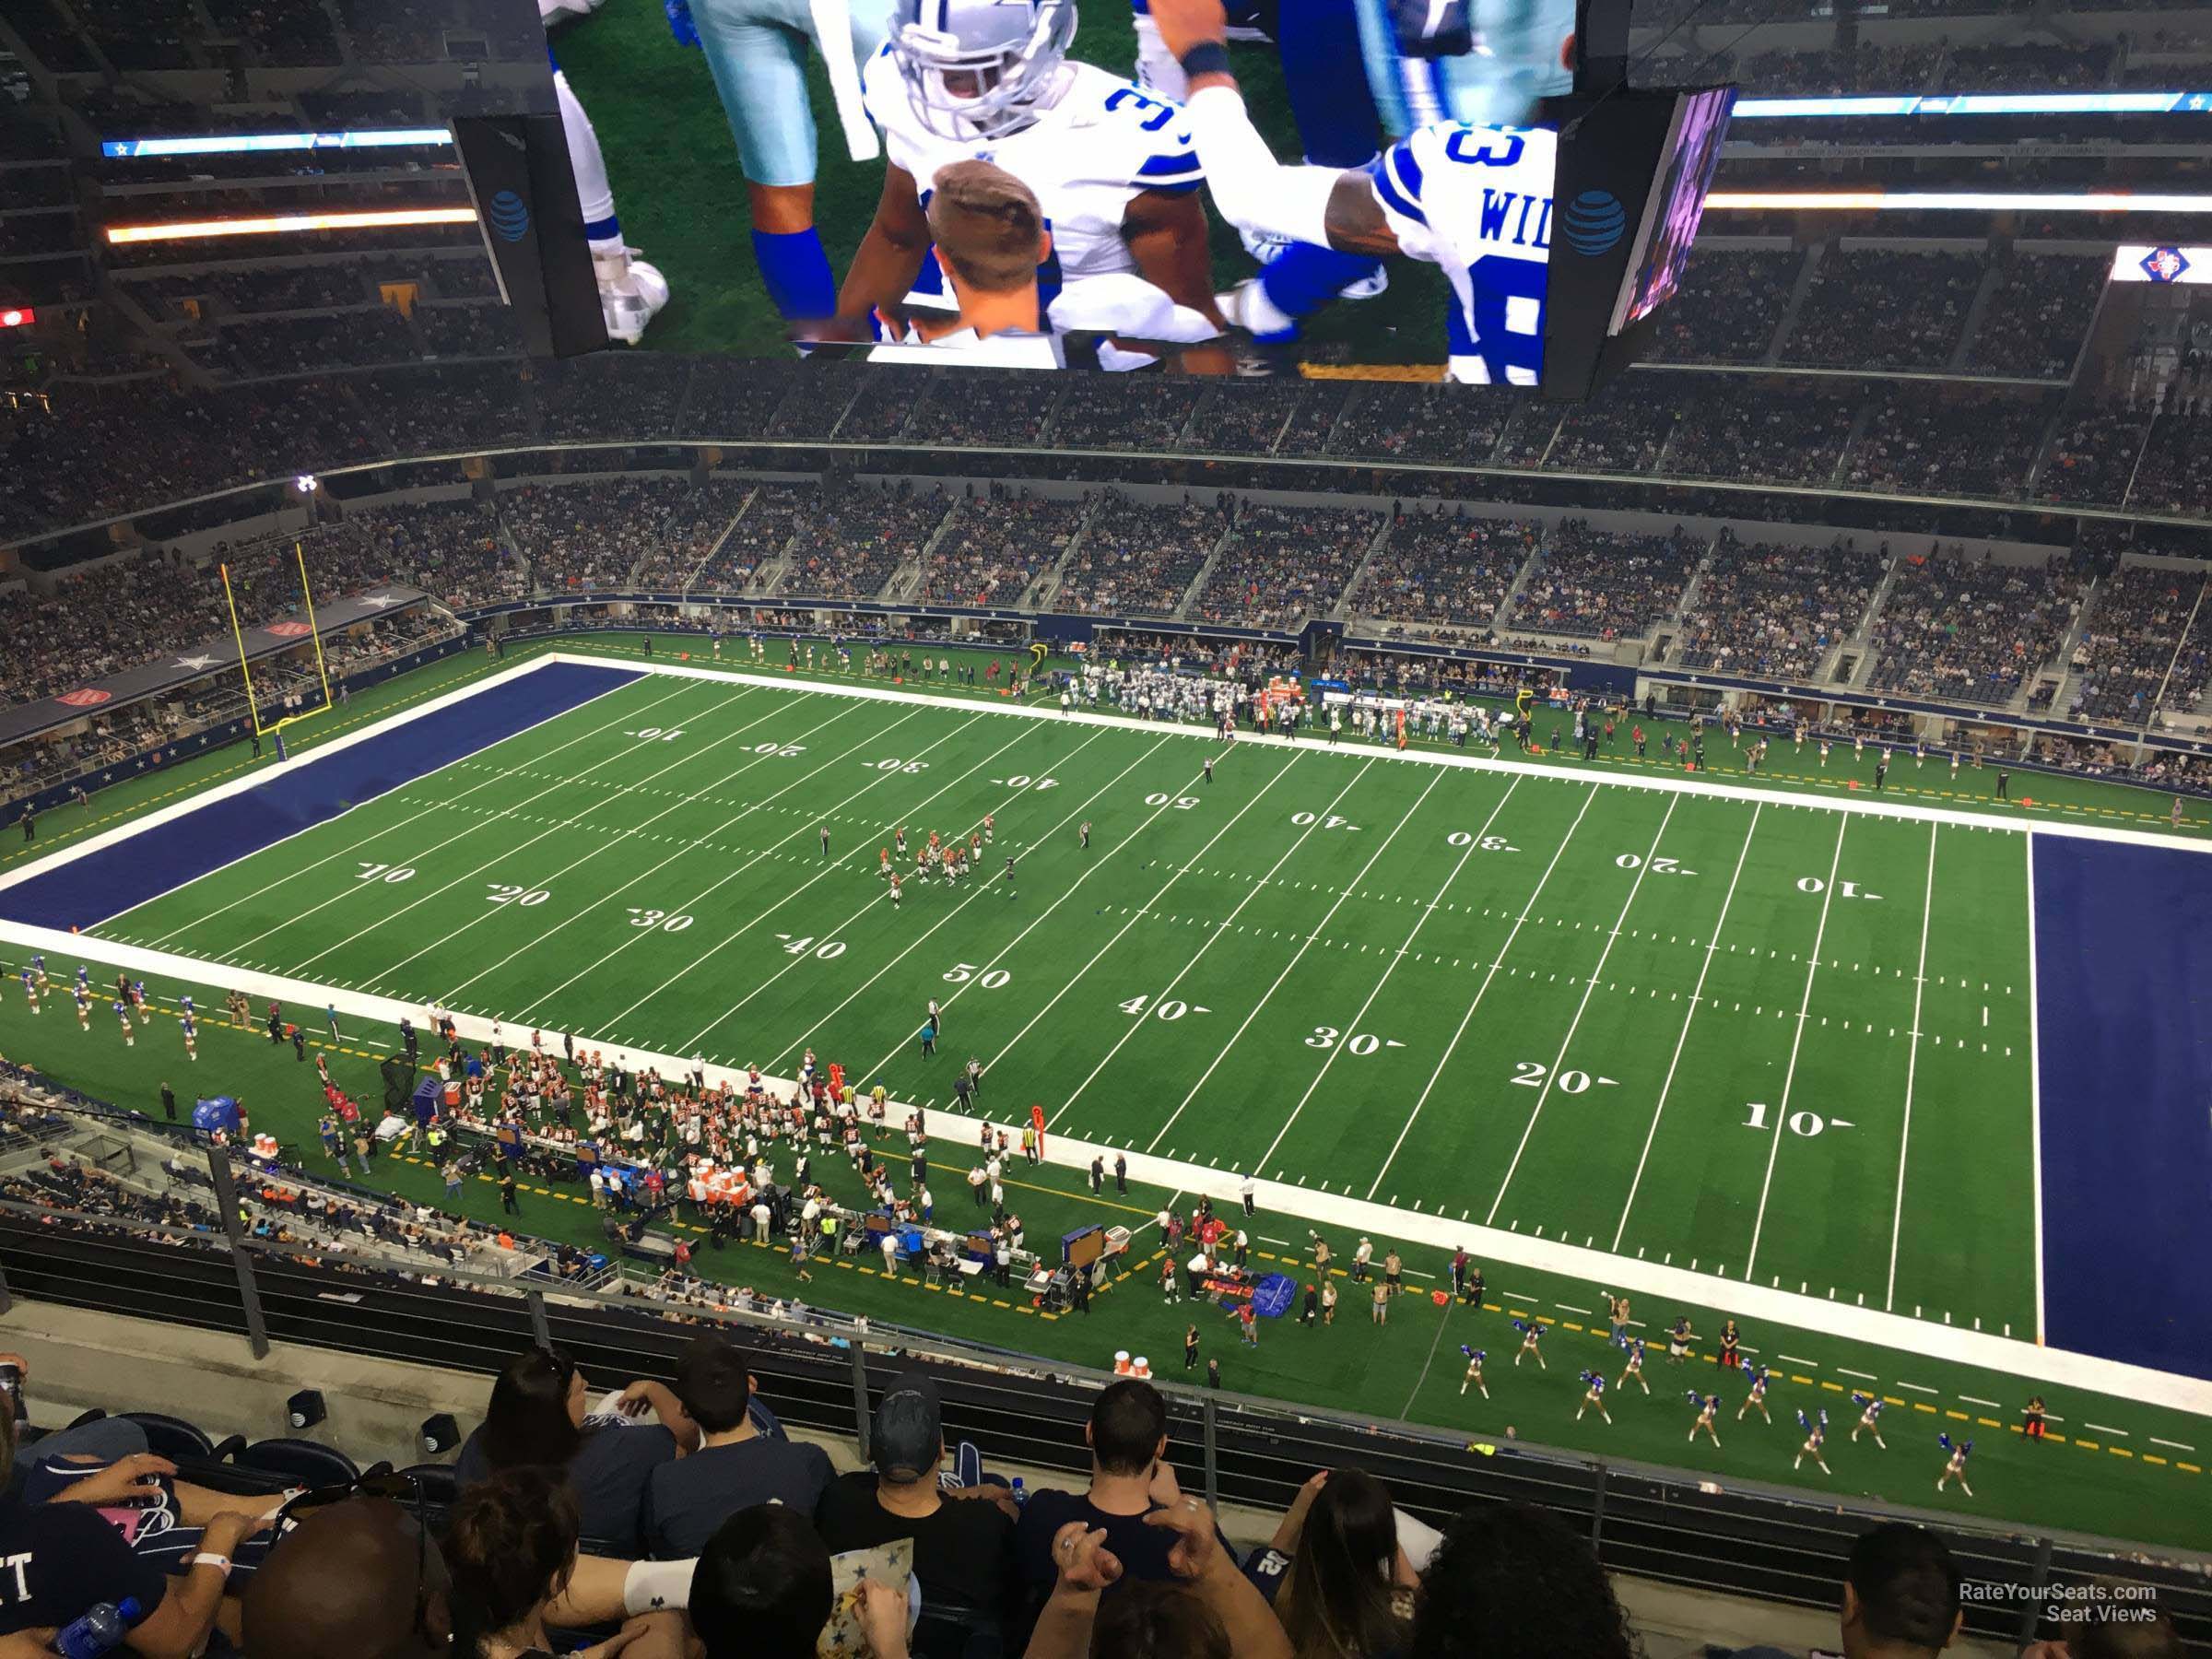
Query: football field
x: 1761, y: 1040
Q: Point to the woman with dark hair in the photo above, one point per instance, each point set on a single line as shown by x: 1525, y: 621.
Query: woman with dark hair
x: 1335, y: 1573
x: 540, y: 1417
x: 511, y: 1551
x: 1511, y: 1581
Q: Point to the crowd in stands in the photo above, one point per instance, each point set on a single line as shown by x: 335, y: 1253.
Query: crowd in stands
x: 1969, y: 629
x: 1104, y: 412
x: 1772, y: 612
x: 591, y: 534
x: 996, y: 545
x: 1774, y: 429
x: 771, y: 519
x: 101, y: 621
x: 695, y: 522
x: 1964, y: 440
x: 1283, y: 563
x: 2038, y: 315
x: 452, y: 549
x: 1728, y: 306
x: 859, y: 536
x: 1138, y: 556
x: 1439, y: 571
x: 1603, y: 584
x: 2130, y: 639
x: 1885, y: 309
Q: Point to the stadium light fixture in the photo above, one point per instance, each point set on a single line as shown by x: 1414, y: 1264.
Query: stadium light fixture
x: 1953, y: 201
x: 247, y: 144
x: 384, y: 219
x: 305, y: 483
x: 17, y: 316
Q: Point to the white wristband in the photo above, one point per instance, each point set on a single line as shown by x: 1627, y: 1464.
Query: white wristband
x: 207, y: 1557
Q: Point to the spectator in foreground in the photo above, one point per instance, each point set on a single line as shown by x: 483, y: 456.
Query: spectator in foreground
x: 1129, y: 1481
x: 1900, y: 1595
x: 1333, y: 1572
x: 511, y: 1548
x: 736, y: 1465
x: 539, y: 1417
x: 1513, y: 1582
x: 762, y: 1591
x: 1204, y: 1609
x: 360, y: 1580
x: 67, y: 1559
x: 963, y: 1542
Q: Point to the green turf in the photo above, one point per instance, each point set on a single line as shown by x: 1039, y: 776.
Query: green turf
x: 1242, y: 938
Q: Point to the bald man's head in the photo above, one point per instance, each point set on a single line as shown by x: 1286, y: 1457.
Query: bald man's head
x: 356, y: 1580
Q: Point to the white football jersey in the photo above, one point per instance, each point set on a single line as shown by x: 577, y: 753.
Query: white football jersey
x: 1098, y: 141
x: 1476, y: 200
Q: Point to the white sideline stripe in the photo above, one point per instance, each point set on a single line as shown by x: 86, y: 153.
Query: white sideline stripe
x: 1870, y: 1377
x: 1684, y: 784
x: 1697, y: 998
x: 1789, y: 1077
x: 1389, y: 968
x: 254, y: 779
x: 2035, y: 1096
x: 979, y: 888
x: 1793, y: 1360
x: 1297, y: 956
x: 1589, y: 989
x: 586, y: 810
x: 1969, y: 1399
x: 2014, y: 1355
x: 1904, y: 1139
x: 438, y: 804
x: 2103, y: 1428
x: 2176, y: 1445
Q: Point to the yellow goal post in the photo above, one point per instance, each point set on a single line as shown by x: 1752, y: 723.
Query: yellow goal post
x: 237, y: 635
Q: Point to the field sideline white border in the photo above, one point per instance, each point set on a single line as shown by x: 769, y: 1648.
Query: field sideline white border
x: 2028, y: 1360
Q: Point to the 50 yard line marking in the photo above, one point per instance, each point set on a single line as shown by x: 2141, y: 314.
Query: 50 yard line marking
x: 1589, y: 989
x: 1781, y: 1112
x: 1304, y: 944
x: 1258, y: 886
x: 1391, y: 967
x: 1465, y: 1019
x: 1695, y: 996
x: 1904, y: 1140
x: 270, y: 886
x: 981, y: 888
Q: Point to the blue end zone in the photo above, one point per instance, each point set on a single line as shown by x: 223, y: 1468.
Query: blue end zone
x: 124, y: 876
x: 2123, y: 1011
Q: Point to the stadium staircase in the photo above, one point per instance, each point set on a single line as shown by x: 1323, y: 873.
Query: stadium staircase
x: 1190, y: 595
x: 1798, y: 290
x: 2180, y: 645
x: 771, y: 570
x: 1045, y: 585
x: 907, y: 579
x: 692, y: 575
x: 1993, y: 273
x: 1860, y: 645
x: 1375, y: 545
x: 1507, y: 605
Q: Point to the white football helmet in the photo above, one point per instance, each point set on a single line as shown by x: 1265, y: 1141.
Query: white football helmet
x: 973, y: 68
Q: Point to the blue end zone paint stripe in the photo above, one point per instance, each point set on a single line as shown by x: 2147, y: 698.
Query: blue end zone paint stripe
x: 2123, y: 959
x: 120, y: 877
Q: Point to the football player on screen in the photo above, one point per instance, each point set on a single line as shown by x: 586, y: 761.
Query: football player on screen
x: 1112, y: 166
x: 1470, y: 197
x: 756, y: 51
x: 630, y: 291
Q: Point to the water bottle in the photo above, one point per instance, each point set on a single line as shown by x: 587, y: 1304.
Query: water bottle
x: 1020, y: 1497
x: 100, y: 1631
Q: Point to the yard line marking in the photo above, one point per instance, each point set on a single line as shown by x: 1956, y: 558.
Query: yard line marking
x: 1971, y: 1400
x: 1793, y: 1360
x: 783, y: 899
x: 2102, y: 1429
x: 449, y: 801
x: 1137, y: 1024
x: 2035, y: 1091
x: 1497, y: 962
x: 692, y: 1044
x: 1573, y: 1025
x: 1917, y: 1388
x: 1789, y: 1077
x: 1299, y: 956
x: 1025, y: 933
x: 1862, y: 1376
x: 581, y: 813
x: 1904, y: 1140
x: 980, y: 888
x: 1697, y: 995
x: 2177, y: 1445
x: 982, y: 884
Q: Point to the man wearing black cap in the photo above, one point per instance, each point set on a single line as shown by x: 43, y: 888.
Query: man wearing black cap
x: 964, y: 1544
x: 743, y: 1457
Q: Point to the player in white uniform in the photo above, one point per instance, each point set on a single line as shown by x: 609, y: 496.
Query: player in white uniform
x: 1475, y: 200
x: 1112, y: 167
